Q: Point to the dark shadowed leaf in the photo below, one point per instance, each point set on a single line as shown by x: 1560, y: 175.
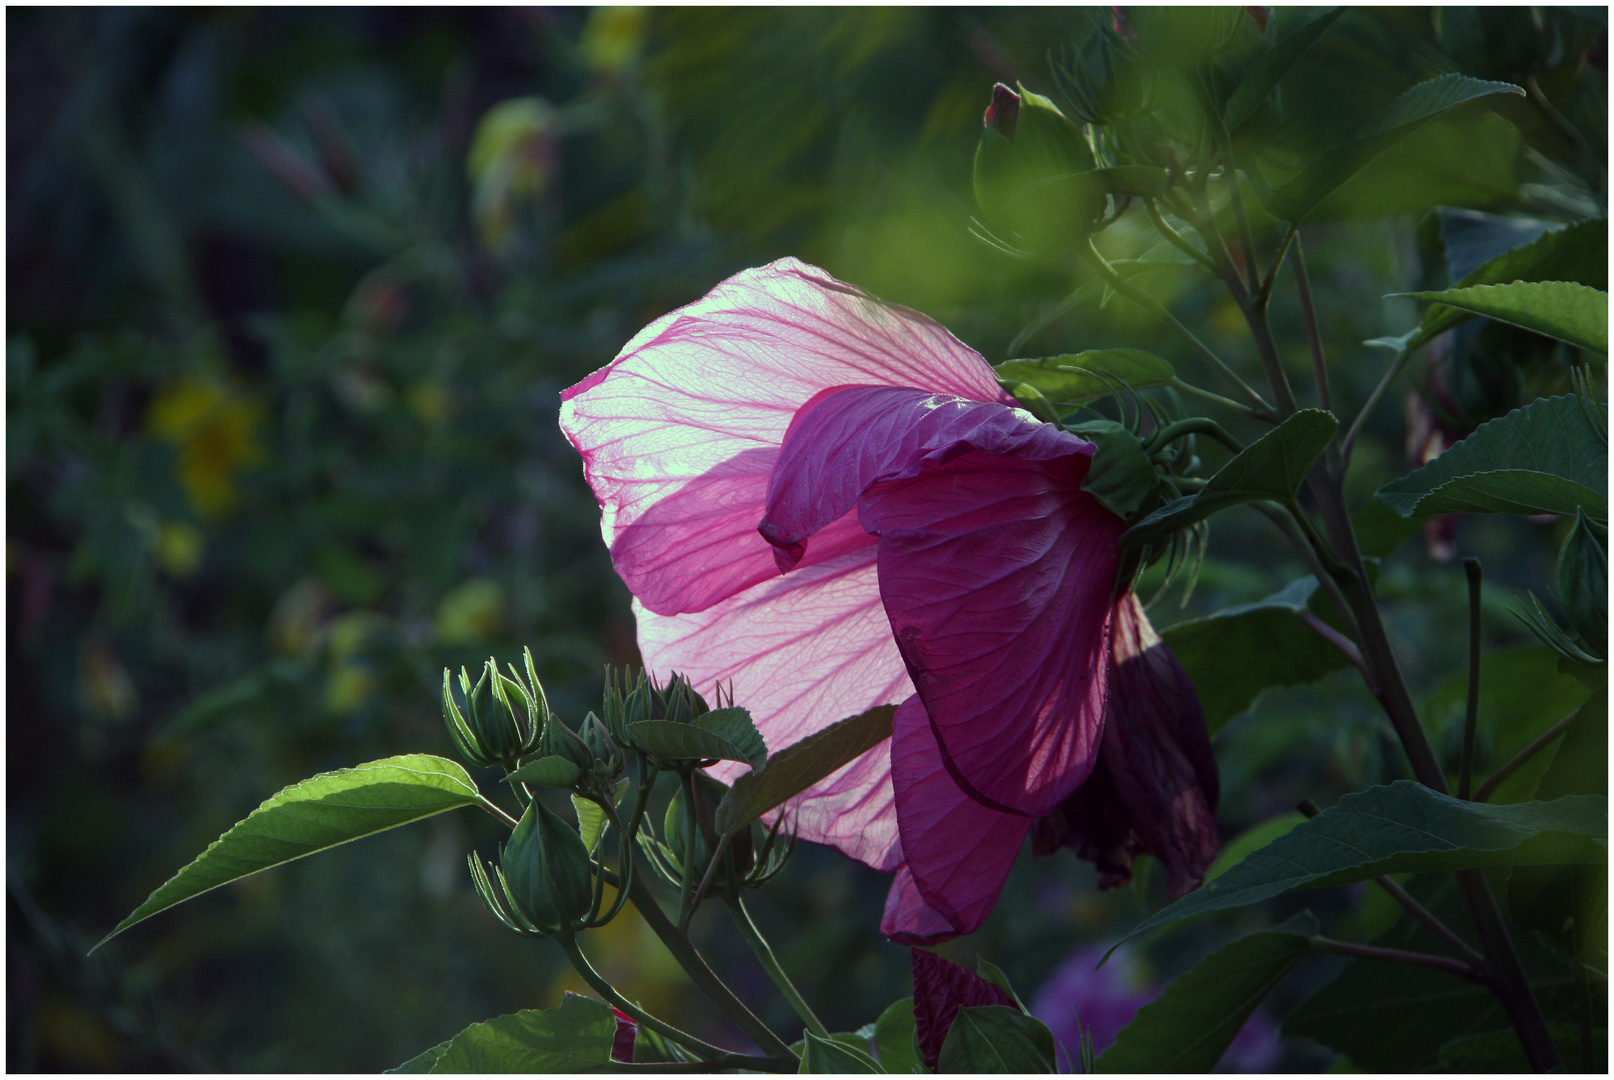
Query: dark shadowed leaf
x: 894, y: 1038
x: 1499, y: 1051
x: 997, y: 1039
x: 1252, y: 839
x: 1121, y: 477
x: 1543, y: 458
x: 552, y: 771
x: 1191, y: 1024
x: 994, y: 975
x: 1271, y: 467
x: 1269, y: 68
x: 1416, y: 106
x: 1566, y: 310
x: 833, y: 1056
x: 1235, y: 654
x: 574, y: 1037
x: 1078, y: 377
x: 727, y: 734
x: 800, y: 765
x: 1402, y: 828
x: 321, y: 812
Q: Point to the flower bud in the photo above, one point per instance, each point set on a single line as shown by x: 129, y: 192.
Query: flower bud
x: 1104, y: 82
x: 1583, y: 585
x: 546, y: 871
x: 1027, y: 153
x: 608, y: 759
x: 561, y: 741
x: 500, y: 721
x: 678, y: 702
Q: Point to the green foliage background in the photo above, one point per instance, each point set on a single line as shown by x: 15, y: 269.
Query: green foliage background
x: 282, y: 377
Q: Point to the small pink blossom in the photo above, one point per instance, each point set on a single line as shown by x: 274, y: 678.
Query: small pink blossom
x: 828, y: 502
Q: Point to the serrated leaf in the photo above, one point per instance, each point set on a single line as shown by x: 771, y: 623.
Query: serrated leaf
x: 551, y: 771
x: 1083, y: 376
x: 1252, y: 839
x: 422, y: 1062
x: 1578, y: 253
x: 574, y: 1037
x: 1238, y: 653
x: 1542, y: 458
x: 1272, y: 467
x: 321, y: 812
x: 726, y: 734
x: 1414, y: 107
x: 997, y: 1039
x: 1192, y: 1023
x: 735, y: 725
x: 797, y: 767
x: 1121, y: 476
x: 833, y: 1056
x: 1401, y: 828
x: 1566, y: 310
x: 894, y: 1038
x: 1268, y: 69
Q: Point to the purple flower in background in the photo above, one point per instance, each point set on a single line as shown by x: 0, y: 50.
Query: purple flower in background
x: 1080, y: 996
x: 828, y: 503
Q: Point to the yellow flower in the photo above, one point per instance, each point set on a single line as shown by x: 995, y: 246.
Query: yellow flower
x: 215, y: 431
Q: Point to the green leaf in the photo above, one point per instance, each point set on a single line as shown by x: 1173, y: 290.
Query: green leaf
x: 1542, y: 458
x: 894, y: 1038
x: 1394, y: 1018
x: 832, y: 1056
x: 572, y: 1038
x: 1192, y: 1023
x: 1121, y: 477
x: 1566, y: 310
x: 726, y: 734
x: 1252, y: 839
x: 1411, y: 109
x: 422, y: 1062
x: 1499, y: 1051
x: 1272, y: 467
x: 1236, y: 654
x: 590, y: 822
x: 1268, y: 69
x: 800, y: 765
x: 551, y: 771
x: 997, y: 1039
x: 1578, y: 253
x: 994, y: 975
x: 1402, y: 828
x: 1078, y: 377
x: 319, y: 813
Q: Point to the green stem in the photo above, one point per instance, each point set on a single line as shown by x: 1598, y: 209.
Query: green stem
x: 760, y: 946
x: 1216, y: 399
x: 496, y: 810
x: 1265, y: 291
x: 1137, y: 296
x: 1175, y: 238
x: 703, y: 976
x: 1193, y: 425
x: 1399, y: 956
x: 1465, y: 767
x: 1512, y: 765
x: 1349, y: 442
x: 1314, y: 339
x: 608, y: 992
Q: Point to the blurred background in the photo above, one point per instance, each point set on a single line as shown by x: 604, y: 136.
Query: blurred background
x: 292, y: 295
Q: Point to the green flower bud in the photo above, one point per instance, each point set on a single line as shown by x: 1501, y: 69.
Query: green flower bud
x: 561, y: 741
x: 1583, y: 585
x: 500, y: 719
x: 545, y: 868
x: 1104, y: 82
x: 1024, y: 167
x: 678, y: 702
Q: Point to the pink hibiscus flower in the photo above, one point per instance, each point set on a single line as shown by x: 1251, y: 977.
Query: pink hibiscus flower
x: 829, y: 502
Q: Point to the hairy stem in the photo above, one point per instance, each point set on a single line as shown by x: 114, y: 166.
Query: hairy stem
x: 764, y: 951
x: 1465, y: 767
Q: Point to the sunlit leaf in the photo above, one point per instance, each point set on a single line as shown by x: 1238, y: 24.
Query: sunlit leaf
x: 1566, y: 310
x: 800, y: 765
x: 321, y: 812
x: 574, y: 1037
x: 1078, y: 377
x: 552, y: 771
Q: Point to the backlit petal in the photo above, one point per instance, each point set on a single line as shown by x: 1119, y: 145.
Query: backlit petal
x: 678, y: 434
x: 801, y: 651
x: 997, y: 575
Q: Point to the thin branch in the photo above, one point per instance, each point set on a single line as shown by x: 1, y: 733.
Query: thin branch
x: 1465, y: 767
x: 1091, y: 255
x: 1512, y: 765
x: 1400, y: 956
x: 1218, y: 399
x: 1314, y: 338
x: 608, y: 992
x: 1371, y: 403
x: 1176, y: 238
x: 776, y: 972
x: 1337, y: 640
x: 1265, y: 291
x: 496, y: 810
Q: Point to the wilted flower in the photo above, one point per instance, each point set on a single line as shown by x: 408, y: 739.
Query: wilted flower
x: 829, y: 503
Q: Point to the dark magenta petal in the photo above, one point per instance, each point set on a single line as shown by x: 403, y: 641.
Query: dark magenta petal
x: 678, y: 434
x: 849, y: 437
x: 998, y: 575
x: 940, y: 989
x: 958, y: 851
x: 908, y: 920
x: 627, y: 1030
x: 1156, y: 785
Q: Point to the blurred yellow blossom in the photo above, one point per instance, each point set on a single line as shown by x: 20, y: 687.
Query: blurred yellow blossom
x: 511, y: 161
x: 471, y: 612
x: 215, y: 430
x: 613, y: 37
